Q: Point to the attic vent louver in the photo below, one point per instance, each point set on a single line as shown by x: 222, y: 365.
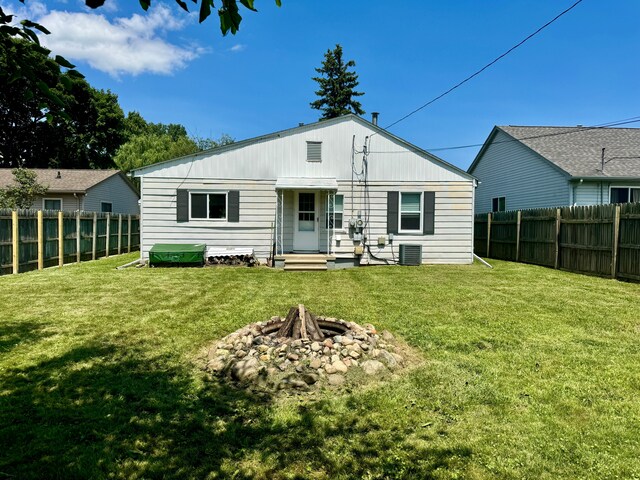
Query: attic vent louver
x: 314, y: 151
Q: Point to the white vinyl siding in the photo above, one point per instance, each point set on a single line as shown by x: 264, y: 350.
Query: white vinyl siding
x: 254, y: 169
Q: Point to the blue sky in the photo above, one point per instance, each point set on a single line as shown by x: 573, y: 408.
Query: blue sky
x: 583, y: 69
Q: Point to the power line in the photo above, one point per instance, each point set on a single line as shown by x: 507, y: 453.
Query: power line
x: 485, y: 67
x: 602, y: 126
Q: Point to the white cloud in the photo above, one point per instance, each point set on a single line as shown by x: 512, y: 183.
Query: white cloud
x: 121, y: 46
x: 238, y: 48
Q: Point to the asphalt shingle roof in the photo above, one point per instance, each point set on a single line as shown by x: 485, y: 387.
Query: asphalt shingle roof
x: 578, y: 150
x: 70, y: 181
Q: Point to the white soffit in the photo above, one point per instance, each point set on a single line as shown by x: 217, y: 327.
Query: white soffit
x: 306, y: 183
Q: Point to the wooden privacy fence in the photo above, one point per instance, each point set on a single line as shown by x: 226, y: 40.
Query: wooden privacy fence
x: 599, y: 239
x: 31, y: 239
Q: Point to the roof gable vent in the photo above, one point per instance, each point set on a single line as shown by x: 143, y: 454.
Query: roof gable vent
x: 314, y: 151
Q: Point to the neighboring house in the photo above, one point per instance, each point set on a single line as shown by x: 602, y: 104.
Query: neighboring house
x: 82, y: 189
x: 307, y: 189
x: 535, y: 167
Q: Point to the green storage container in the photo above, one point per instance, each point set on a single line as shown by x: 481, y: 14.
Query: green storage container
x: 177, y: 254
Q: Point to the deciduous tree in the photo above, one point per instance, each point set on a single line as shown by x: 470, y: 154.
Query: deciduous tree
x: 25, y: 190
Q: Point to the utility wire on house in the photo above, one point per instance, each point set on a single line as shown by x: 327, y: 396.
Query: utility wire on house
x: 458, y: 85
x: 570, y: 130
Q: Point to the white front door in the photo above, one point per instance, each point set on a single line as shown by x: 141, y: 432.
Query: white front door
x: 305, y: 234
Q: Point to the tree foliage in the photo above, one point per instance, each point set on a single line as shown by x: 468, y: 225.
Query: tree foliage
x: 25, y: 190
x: 337, y: 86
x: 20, y: 44
x: 82, y: 128
x: 50, y: 117
x: 228, y: 13
x: 150, y: 143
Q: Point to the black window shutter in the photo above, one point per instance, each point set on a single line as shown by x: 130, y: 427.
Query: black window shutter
x: 182, y: 205
x: 392, y: 212
x: 233, y: 207
x: 429, y: 213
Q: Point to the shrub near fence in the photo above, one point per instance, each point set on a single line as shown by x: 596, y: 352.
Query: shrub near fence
x: 31, y: 239
x: 600, y: 239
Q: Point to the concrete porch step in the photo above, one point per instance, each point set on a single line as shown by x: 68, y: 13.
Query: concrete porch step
x: 307, y: 267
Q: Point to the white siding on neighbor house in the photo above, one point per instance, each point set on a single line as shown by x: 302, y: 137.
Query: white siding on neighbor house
x: 511, y: 170
x: 114, y: 190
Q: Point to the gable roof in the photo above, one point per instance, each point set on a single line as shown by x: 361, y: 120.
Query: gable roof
x: 578, y: 150
x: 69, y: 181
x: 309, y: 126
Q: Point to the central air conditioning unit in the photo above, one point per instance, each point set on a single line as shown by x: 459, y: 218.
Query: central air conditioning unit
x: 410, y: 254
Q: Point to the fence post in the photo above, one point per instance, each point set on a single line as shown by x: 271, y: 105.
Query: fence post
x: 616, y: 237
x: 94, y: 237
x: 557, y: 261
x: 78, y: 236
x: 119, y: 233
x: 518, y: 220
x: 15, y: 241
x: 60, y: 239
x: 108, y: 233
x: 40, y: 241
x: 129, y: 234
x: 488, y: 233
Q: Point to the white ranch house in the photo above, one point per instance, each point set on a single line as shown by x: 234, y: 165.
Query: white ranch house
x: 344, y: 188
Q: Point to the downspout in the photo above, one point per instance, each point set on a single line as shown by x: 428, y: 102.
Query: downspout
x: 473, y: 219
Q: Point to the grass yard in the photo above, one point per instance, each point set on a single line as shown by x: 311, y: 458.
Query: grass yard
x: 528, y: 373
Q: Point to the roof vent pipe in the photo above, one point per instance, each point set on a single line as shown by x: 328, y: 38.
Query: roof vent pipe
x: 374, y: 117
x: 58, y: 175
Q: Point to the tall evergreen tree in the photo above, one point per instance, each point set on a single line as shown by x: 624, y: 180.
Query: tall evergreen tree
x: 337, y: 86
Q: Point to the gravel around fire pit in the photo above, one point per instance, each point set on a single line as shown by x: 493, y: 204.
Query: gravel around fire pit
x: 256, y: 357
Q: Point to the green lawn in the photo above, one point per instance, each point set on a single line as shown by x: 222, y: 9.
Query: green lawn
x: 528, y: 373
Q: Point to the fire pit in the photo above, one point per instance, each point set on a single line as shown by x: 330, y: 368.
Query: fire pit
x: 302, y: 351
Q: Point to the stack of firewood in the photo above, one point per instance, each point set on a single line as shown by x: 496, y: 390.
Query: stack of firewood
x: 248, y: 260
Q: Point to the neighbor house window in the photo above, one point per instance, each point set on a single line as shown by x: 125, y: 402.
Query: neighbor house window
x: 314, y: 151
x: 410, y: 212
x: 499, y: 204
x: 337, y: 210
x: 624, y: 194
x: 52, y: 204
x: 106, y: 207
x: 208, y: 205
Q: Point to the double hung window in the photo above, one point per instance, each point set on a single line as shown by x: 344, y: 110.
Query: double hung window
x: 410, y: 212
x: 212, y: 206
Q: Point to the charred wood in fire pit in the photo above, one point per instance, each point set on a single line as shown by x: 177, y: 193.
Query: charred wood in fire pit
x: 301, y: 323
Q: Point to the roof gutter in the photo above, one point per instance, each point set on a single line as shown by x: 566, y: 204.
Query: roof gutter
x: 600, y: 179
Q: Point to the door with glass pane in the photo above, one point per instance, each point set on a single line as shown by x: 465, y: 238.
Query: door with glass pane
x: 305, y: 235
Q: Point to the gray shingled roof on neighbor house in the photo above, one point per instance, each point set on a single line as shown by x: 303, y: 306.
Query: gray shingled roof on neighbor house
x: 578, y: 150
x: 69, y: 181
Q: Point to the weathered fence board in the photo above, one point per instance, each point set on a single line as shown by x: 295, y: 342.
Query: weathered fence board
x: 600, y: 240
x: 79, y: 239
